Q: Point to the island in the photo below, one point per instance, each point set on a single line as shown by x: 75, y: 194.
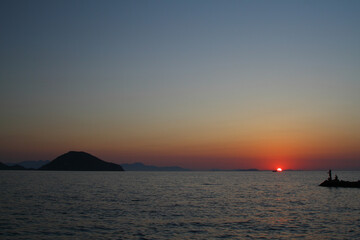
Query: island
x: 80, y: 161
x: 15, y: 167
x: 138, y: 166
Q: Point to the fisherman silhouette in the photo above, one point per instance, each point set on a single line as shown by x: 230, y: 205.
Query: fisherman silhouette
x: 330, y: 177
x: 339, y: 183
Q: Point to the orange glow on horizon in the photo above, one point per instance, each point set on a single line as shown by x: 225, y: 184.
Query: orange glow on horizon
x: 279, y: 169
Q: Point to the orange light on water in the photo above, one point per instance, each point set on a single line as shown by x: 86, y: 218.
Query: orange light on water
x: 279, y: 169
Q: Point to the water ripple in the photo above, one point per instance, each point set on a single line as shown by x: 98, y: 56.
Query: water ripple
x: 176, y: 205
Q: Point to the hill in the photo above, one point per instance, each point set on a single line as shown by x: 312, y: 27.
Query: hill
x: 30, y: 164
x: 15, y: 167
x: 80, y: 161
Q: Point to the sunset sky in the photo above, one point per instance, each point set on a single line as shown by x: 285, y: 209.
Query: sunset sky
x: 197, y: 84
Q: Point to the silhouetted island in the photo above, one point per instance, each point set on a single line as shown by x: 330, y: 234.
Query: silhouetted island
x: 30, y: 164
x: 330, y: 182
x: 80, y: 161
x: 15, y: 167
x: 234, y: 170
x: 138, y: 166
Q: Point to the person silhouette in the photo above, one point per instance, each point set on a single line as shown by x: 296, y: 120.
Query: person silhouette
x: 330, y: 177
x: 336, y: 178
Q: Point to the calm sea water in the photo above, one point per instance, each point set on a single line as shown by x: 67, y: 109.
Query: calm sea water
x: 176, y: 205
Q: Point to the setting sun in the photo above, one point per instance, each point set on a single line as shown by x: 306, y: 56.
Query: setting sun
x: 279, y: 169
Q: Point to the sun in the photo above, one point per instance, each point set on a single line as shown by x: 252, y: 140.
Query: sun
x: 279, y: 169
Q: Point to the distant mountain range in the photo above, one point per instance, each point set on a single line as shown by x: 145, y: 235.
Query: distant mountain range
x: 142, y: 167
x: 14, y: 167
x: 239, y: 170
x: 82, y: 161
x: 30, y: 164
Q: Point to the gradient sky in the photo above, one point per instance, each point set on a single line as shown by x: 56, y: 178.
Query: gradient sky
x: 198, y: 84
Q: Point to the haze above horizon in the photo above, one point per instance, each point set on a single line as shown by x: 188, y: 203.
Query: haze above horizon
x: 195, y: 84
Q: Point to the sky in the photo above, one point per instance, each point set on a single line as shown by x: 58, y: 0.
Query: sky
x: 197, y: 84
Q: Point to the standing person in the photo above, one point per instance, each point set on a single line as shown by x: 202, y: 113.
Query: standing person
x: 330, y: 177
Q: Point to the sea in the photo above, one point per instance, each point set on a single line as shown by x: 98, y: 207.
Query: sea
x: 177, y: 205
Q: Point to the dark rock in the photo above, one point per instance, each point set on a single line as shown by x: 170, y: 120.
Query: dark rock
x: 80, y: 161
x: 337, y: 183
